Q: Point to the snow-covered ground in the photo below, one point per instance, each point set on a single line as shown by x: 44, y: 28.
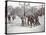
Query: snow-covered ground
x: 15, y: 26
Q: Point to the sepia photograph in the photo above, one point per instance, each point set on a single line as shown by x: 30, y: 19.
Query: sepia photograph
x: 24, y: 17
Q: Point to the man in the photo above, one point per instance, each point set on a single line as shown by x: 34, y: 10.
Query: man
x: 9, y: 17
x: 13, y: 17
x: 30, y: 19
x: 22, y: 21
x: 36, y: 20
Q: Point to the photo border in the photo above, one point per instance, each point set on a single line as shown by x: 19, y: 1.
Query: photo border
x: 6, y: 17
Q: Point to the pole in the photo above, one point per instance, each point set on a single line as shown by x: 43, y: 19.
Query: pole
x: 24, y: 9
x: 24, y: 13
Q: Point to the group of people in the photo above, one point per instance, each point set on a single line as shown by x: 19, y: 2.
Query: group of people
x: 32, y: 19
x: 10, y: 18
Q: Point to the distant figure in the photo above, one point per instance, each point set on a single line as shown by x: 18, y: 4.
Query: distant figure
x: 9, y: 17
x: 22, y: 21
x: 13, y: 17
x: 30, y: 19
x: 36, y: 20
